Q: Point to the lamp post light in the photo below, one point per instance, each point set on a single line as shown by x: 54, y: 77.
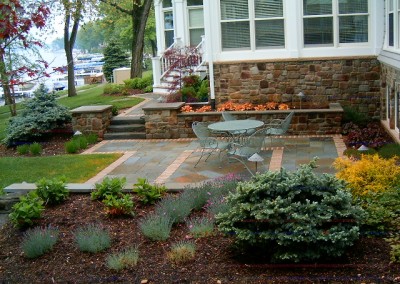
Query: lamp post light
x: 301, y: 95
x: 256, y: 158
x: 363, y: 148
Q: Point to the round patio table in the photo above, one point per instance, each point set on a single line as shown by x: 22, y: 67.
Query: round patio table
x: 235, y: 126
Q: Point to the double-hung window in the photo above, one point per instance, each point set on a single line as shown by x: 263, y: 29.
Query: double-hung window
x: 334, y: 22
x: 252, y: 24
x: 393, y: 24
x: 196, y: 21
x: 168, y: 22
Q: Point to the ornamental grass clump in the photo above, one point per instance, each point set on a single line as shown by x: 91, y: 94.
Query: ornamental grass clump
x: 177, y: 208
x: 200, y: 227
x: 38, y: 241
x: 124, y: 259
x: 92, y: 238
x: 182, y: 252
x: 369, y: 175
x: 292, y: 216
x: 156, y: 227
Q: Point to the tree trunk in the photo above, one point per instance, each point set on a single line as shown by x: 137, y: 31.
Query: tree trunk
x: 71, y: 73
x: 139, y: 20
x: 8, y: 97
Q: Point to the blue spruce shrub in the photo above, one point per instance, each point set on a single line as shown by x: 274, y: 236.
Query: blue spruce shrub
x: 292, y: 216
x: 40, y: 115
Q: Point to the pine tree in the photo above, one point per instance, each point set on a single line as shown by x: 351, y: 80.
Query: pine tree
x: 114, y: 57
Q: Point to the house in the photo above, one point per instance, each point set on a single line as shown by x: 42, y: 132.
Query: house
x: 345, y: 51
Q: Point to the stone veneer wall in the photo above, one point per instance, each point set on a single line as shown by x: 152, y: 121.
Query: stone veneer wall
x: 349, y: 81
x: 92, y: 119
x: 165, y: 120
x: 390, y: 77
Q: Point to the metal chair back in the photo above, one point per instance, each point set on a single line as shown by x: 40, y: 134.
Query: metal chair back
x: 228, y: 116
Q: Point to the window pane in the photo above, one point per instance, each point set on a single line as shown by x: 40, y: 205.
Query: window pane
x: 391, y: 30
x: 167, y: 3
x: 353, y: 29
x: 268, y: 8
x: 270, y: 33
x: 168, y: 20
x: 235, y: 35
x: 196, y: 18
x: 195, y: 36
x: 390, y: 5
x: 317, y: 7
x: 169, y: 38
x: 353, y: 6
x: 234, y: 9
x: 194, y: 2
x: 318, y: 30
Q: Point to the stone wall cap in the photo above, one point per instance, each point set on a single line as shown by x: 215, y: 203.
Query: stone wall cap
x: 99, y: 108
x: 163, y: 106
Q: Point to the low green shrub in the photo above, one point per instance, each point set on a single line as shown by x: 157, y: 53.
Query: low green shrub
x: 200, y: 227
x: 354, y: 153
x: 109, y: 186
x: 92, y: 238
x: 119, y: 205
x: 82, y: 141
x: 113, y: 89
x: 156, y: 227
x: 114, y: 110
x: 282, y: 213
x: 123, y: 259
x: 394, y: 242
x: 92, y: 138
x: 182, y: 252
x: 52, y: 191
x: 23, y: 149
x: 38, y: 241
x: 177, y: 208
x: 389, y: 151
x: 139, y: 83
x: 35, y: 149
x: 148, y: 193
x: 71, y: 147
x: 354, y: 116
x: 26, y: 212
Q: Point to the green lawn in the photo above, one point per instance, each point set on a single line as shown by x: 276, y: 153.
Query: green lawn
x: 87, y: 95
x: 76, y: 168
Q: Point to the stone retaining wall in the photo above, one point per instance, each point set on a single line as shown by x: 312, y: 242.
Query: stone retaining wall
x: 349, y: 81
x: 166, y: 121
x: 92, y: 119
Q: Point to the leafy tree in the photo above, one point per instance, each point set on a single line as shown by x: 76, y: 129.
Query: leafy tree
x: 17, y: 18
x: 91, y: 36
x: 139, y: 12
x: 114, y: 57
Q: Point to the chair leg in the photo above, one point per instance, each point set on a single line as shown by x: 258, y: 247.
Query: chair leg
x: 201, y: 156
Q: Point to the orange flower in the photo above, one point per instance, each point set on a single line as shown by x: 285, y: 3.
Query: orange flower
x: 260, y: 107
x: 283, y: 107
x: 204, y: 109
x: 271, y: 105
x: 186, y: 108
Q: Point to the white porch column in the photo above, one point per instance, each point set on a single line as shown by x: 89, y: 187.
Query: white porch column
x: 208, y: 48
x: 155, y: 61
x: 159, y: 25
x: 179, y: 19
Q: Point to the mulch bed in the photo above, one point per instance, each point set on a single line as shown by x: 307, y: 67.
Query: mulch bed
x: 367, y: 261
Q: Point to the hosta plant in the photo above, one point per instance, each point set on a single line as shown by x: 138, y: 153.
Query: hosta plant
x: 27, y: 211
x: 52, y: 191
x: 282, y: 213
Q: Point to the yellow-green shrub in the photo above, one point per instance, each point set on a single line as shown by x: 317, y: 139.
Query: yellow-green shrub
x: 371, y: 174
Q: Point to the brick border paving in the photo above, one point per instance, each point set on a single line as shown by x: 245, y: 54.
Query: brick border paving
x: 171, y: 169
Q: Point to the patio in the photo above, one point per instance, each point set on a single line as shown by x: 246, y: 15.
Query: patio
x: 171, y: 161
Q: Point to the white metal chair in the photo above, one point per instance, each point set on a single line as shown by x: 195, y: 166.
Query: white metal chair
x: 227, y: 116
x: 251, y: 145
x: 207, y: 143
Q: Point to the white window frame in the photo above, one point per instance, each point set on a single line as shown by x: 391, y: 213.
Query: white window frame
x: 388, y: 102
x: 335, y: 15
x: 189, y: 28
x: 252, y: 25
x: 397, y: 107
x: 164, y: 11
x: 395, y: 10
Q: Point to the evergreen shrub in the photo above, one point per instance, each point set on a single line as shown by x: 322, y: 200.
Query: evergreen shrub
x: 292, y: 216
x: 40, y: 115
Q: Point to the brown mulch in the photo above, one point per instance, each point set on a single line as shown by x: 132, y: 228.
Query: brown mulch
x: 367, y: 261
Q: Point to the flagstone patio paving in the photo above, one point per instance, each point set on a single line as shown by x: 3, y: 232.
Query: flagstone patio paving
x: 171, y: 161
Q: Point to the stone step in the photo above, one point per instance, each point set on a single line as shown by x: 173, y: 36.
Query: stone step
x: 126, y: 128
x: 120, y: 120
x: 124, y: 135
